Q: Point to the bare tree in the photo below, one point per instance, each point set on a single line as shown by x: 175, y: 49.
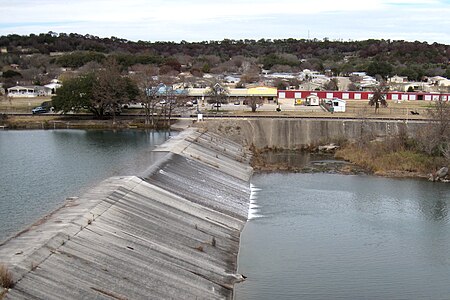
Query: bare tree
x: 436, y: 136
x: 379, y: 96
x: 254, y: 102
x: 111, y: 90
x: 146, y: 80
x: 217, y: 94
x: 171, y: 99
x: 332, y: 85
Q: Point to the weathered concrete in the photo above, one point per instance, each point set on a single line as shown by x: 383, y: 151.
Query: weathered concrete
x: 293, y: 133
x: 172, y: 233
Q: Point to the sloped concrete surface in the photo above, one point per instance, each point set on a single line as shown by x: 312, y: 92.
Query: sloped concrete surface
x: 172, y: 233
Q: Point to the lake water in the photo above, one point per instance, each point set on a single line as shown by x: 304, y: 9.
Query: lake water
x: 39, y: 169
x: 327, y: 236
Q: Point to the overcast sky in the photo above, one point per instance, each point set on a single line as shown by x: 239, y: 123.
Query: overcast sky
x: 204, y: 20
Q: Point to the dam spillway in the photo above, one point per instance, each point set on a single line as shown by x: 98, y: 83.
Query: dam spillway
x: 171, y: 233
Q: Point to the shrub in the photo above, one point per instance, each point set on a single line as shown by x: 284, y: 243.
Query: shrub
x: 6, y: 278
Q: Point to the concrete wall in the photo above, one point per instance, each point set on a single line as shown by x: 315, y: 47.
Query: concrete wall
x: 294, y: 133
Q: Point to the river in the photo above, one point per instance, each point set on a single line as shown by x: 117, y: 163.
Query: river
x: 310, y: 236
x: 329, y: 236
x: 39, y: 168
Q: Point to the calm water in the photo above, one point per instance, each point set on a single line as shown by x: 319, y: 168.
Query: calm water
x: 322, y: 236
x: 39, y: 169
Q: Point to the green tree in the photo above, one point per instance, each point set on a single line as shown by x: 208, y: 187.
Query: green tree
x: 75, y: 94
x: 378, y: 67
x: 447, y: 73
x: 102, y: 92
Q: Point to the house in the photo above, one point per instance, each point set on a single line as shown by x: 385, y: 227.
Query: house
x: 232, y: 78
x: 398, y: 79
x: 358, y: 74
x: 338, y: 105
x: 29, y: 91
x: 439, y: 81
x: 53, y: 86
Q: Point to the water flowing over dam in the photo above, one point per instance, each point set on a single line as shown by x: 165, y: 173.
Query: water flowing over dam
x: 170, y: 233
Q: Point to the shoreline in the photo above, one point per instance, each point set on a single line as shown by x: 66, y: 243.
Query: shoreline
x: 329, y: 164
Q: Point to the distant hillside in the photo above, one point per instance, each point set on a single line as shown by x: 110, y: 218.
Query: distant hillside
x: 412, y: 59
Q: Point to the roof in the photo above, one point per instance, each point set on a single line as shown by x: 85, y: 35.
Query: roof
x: 257, y: 91
x: 28, y: 87
x: 262, y: 91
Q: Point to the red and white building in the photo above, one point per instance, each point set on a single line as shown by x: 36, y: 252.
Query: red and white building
x: 361, y: 95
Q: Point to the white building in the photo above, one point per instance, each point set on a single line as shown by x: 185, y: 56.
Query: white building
x: 439, y: 81
x: 312, y: 100
x: 398, y: 79
x: 29, y: 91
x: 53, y: 85
x: 338, y: 105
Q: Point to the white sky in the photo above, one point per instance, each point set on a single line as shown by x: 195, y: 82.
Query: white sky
x: 203, y: 20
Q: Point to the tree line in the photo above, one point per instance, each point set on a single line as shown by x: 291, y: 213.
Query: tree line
x: 412, y: 59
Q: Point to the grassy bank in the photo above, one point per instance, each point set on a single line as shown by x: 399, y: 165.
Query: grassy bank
x: 69, y: 122
x: 379, y: 158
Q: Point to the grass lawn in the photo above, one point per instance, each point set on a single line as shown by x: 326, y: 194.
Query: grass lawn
x: 21, y: 105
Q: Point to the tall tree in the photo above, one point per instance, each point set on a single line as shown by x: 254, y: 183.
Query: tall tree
x: 99, y: 92
x: 254, y: 102
x: 217, y: 94
x: 332, y: 85
x: 76, y: 94
x: 379, y: 96
x: 146, y: 80
x: 379, y: 67
x: 110, y: 88
x: 437, y: 137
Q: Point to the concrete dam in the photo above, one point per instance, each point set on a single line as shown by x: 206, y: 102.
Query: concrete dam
x: 171, y: 233
x: 293, y: 133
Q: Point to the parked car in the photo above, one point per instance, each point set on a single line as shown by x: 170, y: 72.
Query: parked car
x: 237, y: 102
x: 39, y: 110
